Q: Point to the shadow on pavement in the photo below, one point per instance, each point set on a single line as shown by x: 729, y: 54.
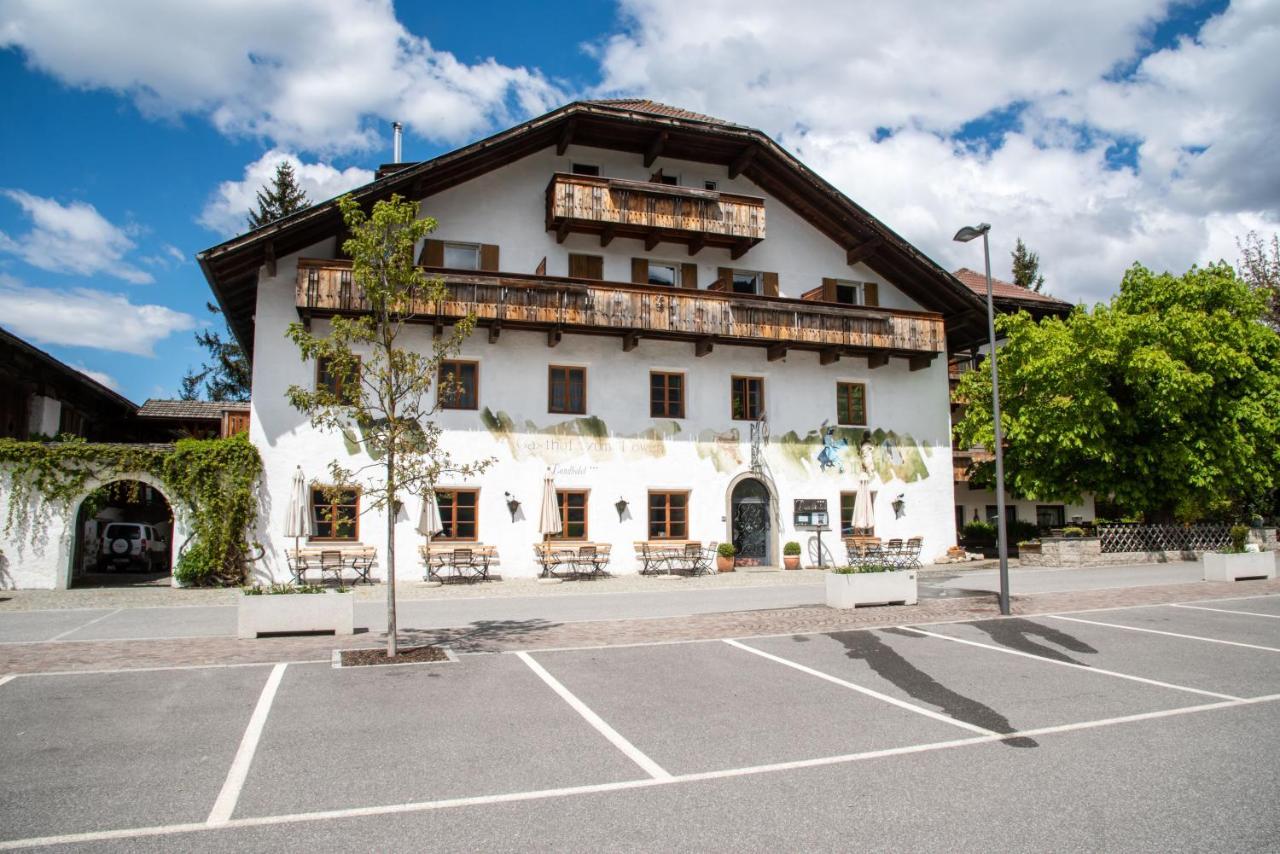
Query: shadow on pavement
x: 1017, y: 633
x: 480, y: 636
x: 891, y: 666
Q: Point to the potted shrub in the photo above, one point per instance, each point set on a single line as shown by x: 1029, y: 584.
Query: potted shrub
x: 293, y: 609
x: 791, y: 555
x: 724, y: 557
x: 870, y: 584
x: 1236, y: 561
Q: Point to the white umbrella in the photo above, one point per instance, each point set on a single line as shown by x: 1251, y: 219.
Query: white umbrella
x: 549, y: 518
x: 863, y: 514
x: 298, y: 521
x: 429, y: 521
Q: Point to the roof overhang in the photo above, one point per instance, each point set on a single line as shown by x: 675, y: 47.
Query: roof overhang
x: 232, y: 267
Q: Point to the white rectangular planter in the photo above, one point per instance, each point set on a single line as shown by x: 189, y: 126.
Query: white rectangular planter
x: 330, y: 611
x: 1229, y: 567
x: 871, y: 588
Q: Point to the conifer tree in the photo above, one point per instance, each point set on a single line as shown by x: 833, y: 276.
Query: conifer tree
x: 280, y: 198
x: 1026, y: 267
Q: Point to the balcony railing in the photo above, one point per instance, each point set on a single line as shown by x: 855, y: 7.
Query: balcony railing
x: 613, y: 207
x: 502, y: 300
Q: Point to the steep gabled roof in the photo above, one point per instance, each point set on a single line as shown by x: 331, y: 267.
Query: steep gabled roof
x: 1010, y: 296
x: 632, y: 125
x: 22, y: 354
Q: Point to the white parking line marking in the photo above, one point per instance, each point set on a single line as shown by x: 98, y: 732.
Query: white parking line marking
x: 225, y: 805
x: 570, y: 791
x: 653, y: 769
x: 910, y: 707
x: 1166, y: 634
x: 1228, y: 611
x: 1083, y: 667
x: 9, y: 678
x: 85, y: 626
x: 162, y: 669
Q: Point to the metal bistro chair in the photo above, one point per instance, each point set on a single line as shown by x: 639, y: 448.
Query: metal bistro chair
x: 651, y: 562
x: 298, y: 566
x: 894, y: 553
x: 584, y: 561
x: 362, y: 563
x: 331, y: 562
x: 912, y: 557
x: 602, y: 559
x: 707, y: 560
x: 464, y: 564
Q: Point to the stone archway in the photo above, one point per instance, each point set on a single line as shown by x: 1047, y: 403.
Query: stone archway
x: 751, y: 519
x: 73, y: 542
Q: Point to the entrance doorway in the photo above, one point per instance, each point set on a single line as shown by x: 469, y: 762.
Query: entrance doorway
x: 750, y: 524
x: 124, y: 537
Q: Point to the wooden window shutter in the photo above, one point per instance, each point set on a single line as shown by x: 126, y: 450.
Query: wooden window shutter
x: 586, y: 266
x: 724, y: 279
x: 828, y: 290
x: 689, y: 276
x: 640, y: 271
x: 870, y: 293
x: 432, y: 254
x: 489, y: 257
x: 770, y: 281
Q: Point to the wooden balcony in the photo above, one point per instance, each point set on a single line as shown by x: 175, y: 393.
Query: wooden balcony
x: 653, y: 212
x: 631, y: 312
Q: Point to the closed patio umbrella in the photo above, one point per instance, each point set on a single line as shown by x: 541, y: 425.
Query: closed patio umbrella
x: 429, y: 521
x: 863, y: 515
x: 298, y: 521
x: 549, y: 517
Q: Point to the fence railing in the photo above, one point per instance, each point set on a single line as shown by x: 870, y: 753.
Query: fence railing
x: 1139, y: 537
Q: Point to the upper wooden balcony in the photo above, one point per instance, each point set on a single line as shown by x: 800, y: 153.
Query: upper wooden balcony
x: 558, y: 305
x: 653, y: 212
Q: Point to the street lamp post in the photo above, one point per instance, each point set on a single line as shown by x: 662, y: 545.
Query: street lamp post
x: 964, y: 235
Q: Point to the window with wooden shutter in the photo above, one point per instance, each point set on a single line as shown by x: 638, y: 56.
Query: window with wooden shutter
x: 586, y: 266
x: 489, y: 257
x: 828, y: 290
x: 770, y: 284
x: 640, y: 271
x: 870, y: 293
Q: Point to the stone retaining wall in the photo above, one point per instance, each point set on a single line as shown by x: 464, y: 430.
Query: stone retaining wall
x: 1087, y: 551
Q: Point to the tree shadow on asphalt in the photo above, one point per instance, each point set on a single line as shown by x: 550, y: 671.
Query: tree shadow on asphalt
x: 1017, y: 634
x: 479, y: 636
x: 889, y: 664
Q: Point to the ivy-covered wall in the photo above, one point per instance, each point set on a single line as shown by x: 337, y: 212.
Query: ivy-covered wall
x: 211, y: 485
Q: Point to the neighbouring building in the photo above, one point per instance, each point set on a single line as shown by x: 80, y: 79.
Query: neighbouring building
x: 674, y: 315
x: 41, y: 396
x: 973, y: 501
x: 169, y: 420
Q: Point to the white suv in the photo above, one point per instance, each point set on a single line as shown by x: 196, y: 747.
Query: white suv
x: 132, y: 543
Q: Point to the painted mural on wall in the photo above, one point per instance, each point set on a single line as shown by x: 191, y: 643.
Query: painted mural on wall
x: 830, y: 451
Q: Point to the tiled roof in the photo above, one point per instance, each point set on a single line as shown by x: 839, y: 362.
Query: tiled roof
x: 187, y: 410
x: 977, y: 282
x: 644, y: 105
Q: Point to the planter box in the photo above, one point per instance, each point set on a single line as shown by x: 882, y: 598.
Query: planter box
x: 871, y: 588
x: 1224, y: 567
x: 330, y: 611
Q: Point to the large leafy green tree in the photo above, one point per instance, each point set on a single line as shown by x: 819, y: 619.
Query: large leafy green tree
x: 1168, y: 398
x: 1026, y: 267
x: 380, y: 386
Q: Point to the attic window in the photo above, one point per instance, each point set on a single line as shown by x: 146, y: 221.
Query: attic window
x: 849, y: 293
x: 710, y: 185
x: 670, y: 180
x: 586, y: 169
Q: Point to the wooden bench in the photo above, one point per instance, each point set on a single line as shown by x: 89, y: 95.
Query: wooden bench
x: 332, y: 560
x: 462, y: 561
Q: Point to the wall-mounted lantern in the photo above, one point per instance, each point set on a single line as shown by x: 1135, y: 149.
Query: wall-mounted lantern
x: 512, y: 505
x: 621, y: 506
x: 899, y: 506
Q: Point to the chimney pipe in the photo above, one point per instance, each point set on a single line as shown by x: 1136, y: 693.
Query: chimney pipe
x: 396, y: 131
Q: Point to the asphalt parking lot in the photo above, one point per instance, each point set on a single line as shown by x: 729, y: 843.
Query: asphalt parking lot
x: 1148, y: 728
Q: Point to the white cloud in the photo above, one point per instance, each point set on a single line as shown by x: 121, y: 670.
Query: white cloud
x: 306, y: 74
x: 83, y: 317
x: 824, y: 77
x: 227, y: 210
x: 71, y: 238
x: 101, y: 376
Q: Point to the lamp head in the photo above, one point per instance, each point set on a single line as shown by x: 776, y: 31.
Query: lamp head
x: 969, y: 232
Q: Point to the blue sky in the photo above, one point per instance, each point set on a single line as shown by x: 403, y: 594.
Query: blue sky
x: 120, y: 162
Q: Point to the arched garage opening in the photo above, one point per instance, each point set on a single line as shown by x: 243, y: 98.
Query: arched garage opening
x: 123, y: 536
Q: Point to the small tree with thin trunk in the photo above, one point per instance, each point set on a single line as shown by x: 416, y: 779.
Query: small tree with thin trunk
x: 378, y: 388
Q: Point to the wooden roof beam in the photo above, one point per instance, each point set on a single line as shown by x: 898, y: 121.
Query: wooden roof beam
x: 495, y: 329
x: 739, y: 249
x: 828, y: 357
x: 606, y: 236
x: 863, y: 250
x: 650, y: 241
x: 655, y: 148
x: 919, y: 363
x: 630, y: 341
x: 702, y: 347
x: 877, y: 360
x: 269, y: 257
x: 776, y: 352
x: 553, y: 336
x: 562, y: 231
x: 742, y: 161
x: 566, y: 137
x: 697, y: 243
